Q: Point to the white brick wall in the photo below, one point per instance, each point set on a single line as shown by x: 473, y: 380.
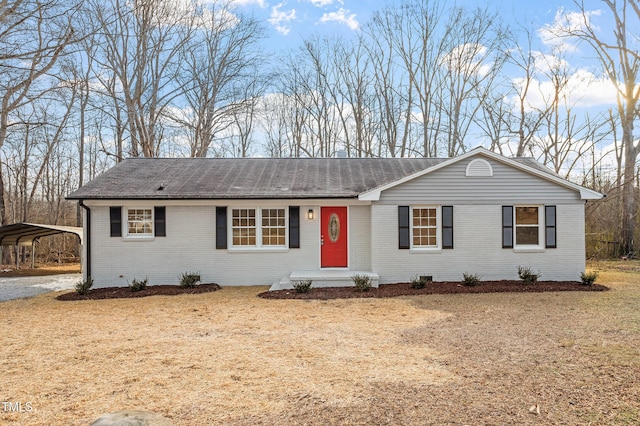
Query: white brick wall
x: 477, y: 248
x: 190, y: 246
x: 373, y: 246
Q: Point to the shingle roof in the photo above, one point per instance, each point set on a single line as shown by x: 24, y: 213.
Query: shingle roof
x: 238, y: 178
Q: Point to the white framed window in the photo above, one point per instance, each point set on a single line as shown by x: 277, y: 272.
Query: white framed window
x: 259, y: 227
x: 140, y: 222
x: 425, y: 227
x: 243, y: 227
x: 528, y: 223
x: 274, y: 227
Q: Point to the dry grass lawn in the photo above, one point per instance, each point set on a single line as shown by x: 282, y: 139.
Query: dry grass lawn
x: 231, y: 358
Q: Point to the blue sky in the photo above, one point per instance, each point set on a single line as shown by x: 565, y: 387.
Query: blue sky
x: 290, y: 20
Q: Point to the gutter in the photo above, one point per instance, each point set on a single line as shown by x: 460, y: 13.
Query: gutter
x: 87, y: 227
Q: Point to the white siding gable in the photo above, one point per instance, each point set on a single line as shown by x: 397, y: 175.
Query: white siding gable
x: 479, y: 168
x: 453, y: 185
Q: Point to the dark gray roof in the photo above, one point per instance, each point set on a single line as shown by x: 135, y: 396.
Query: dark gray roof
x: 238, y: 178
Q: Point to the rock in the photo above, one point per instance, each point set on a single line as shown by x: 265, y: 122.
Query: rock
x: 132, y: 418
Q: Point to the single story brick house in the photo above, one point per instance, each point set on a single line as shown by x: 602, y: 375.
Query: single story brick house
x: 256, y: 221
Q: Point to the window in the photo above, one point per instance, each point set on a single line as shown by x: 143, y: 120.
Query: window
x: 244, y: 227
x: 140, y: 222
x: 273, y: 227
x: 527, y: 225
x: 424, y: 229
x: 258, y: 227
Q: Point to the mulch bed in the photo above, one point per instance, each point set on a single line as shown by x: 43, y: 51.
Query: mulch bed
x: 152, y: 290
x: 444, y: 287
x: 326, y: 293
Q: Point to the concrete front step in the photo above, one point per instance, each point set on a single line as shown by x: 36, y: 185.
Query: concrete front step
x: 324, y: 278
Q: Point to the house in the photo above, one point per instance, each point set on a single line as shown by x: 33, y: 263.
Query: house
x: 271, y: 221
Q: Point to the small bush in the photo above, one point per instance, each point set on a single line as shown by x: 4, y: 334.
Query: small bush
x: 362, y: 282
x: 588, y: 278
x: 82, y: 287
x: 138, y: 285
x: 417, y: 282
x: 303, y: 286
x: 190, y: 279
x: 527, y: 275
x: 470, y: 280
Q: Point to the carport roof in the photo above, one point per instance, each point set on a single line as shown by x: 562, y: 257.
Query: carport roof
x: 25, y: 233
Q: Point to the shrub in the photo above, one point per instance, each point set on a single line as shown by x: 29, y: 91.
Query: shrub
x: 527, y: 275
x: 82, y: 287
x: 189, y: 279
x: 418, y: 282
x: 138, y: 285
x: 362, y: 282
x: 470, y: 280
x: 303, y: 286
x: 588, y: 278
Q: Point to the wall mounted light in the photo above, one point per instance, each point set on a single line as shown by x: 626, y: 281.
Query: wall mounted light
x: 310, y: 214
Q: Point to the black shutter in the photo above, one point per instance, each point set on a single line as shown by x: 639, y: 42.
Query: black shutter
x: 221, y: 227
x: 404, y: 239
x: 550, y: 226
x: 507, y: 226
x: 294, y: 227
x: 159, y: 221
x: 115, y: 220
x: 447, y: 227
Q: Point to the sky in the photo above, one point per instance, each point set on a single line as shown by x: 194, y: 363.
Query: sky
x: 288, y: 21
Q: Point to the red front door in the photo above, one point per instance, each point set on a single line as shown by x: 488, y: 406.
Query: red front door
x: 333, y: 237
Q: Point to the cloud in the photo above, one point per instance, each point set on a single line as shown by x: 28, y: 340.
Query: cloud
x: 260, y: 3
x: 583, y: 89
x: 280, y: 18
x: 322, y: 3
x: 342, y: 16
x: 467, y: 59
x: 565, y: 23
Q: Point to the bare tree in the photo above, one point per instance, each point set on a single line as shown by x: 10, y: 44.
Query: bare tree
x: 139, y: 52
x: 525, y: 121
x: 475, y: 56
x: 564, y: 136
x: 618, y: 55
x: 392, y: 94
x: 217, y: 66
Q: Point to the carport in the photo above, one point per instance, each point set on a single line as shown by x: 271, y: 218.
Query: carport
x: 27, y: 234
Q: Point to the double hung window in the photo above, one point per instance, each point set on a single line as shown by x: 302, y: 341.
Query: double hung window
x: 424, y: 227
x: 257, y: 227
x: 527, y: 226
x: 140, y: 222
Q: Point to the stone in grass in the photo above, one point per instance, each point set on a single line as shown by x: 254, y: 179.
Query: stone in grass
x: 132, y: 418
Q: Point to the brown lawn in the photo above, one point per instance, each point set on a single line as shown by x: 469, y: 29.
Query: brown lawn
x: 229, y: 357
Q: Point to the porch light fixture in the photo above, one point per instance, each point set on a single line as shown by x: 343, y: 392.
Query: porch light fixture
x: 310, y: 214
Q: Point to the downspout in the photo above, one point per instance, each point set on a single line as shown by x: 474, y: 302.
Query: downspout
x: 87, y: 238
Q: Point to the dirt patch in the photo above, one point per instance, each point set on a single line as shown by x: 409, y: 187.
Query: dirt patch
x: 126, y: 293
x: 405, y: 289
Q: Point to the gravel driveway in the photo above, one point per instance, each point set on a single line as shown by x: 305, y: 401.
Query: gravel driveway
x: 19, y: 287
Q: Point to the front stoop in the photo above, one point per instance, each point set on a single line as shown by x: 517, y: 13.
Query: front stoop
x: 324, y: 278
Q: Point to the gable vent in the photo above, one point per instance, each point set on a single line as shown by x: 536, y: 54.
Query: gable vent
x: 479, y: 167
